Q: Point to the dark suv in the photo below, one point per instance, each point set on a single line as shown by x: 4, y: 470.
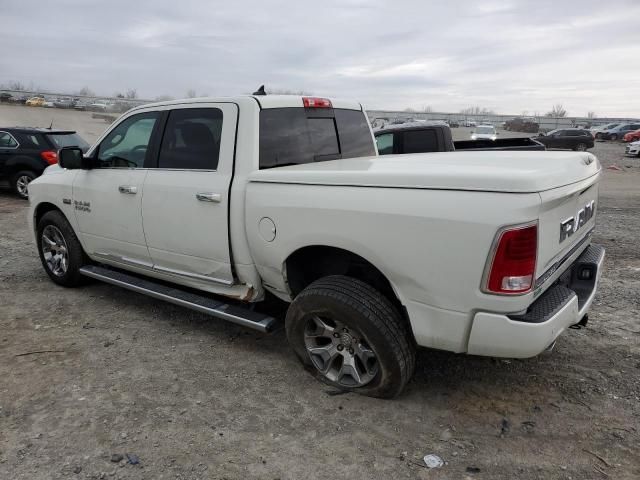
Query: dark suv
x: 26, y: 152
x: 570, y: 138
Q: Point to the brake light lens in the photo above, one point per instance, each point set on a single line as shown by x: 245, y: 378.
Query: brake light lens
x: 315, y: 102
x: 513, y: 265
x: 50, y: 156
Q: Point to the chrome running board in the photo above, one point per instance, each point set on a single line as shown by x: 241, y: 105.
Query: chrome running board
x: 200, y: 303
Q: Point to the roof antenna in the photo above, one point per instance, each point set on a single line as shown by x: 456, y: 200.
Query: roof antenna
x: 51, y: 125
x: 260, y: 91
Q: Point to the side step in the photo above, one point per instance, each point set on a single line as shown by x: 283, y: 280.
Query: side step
x: 215, y: 308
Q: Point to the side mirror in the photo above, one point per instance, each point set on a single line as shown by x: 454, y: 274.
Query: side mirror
x: 72, y: 158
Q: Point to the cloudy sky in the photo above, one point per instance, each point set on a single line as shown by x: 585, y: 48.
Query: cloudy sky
x: 507, y: 55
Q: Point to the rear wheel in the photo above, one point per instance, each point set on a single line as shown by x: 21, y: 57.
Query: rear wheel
x: 351, y: 337
x: 613, y: 137
x: 581, y: 147
x: 60, y: 251
x: 20, y: 183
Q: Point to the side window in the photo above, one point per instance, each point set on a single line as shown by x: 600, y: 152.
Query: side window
x: 126, y: 145
x: 191, y: 139
x: 385, y: 143
x: 7, y: 141
x: 416, y: 141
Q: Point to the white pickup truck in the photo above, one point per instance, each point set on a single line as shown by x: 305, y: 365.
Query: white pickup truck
x: 214, y: 203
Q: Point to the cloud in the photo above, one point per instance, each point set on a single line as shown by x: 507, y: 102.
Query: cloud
x: 505, y: 55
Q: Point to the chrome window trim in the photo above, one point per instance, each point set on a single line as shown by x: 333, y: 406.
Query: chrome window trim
x: 14, y: 139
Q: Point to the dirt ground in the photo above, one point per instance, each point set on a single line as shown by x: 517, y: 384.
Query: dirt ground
x: 189, y: 397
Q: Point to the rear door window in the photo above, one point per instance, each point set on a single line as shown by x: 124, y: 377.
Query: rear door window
x: 293, y: 136
x: 191, y: 139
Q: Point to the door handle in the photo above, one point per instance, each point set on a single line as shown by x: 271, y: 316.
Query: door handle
x: 209, y: 197
x: 131, y: 190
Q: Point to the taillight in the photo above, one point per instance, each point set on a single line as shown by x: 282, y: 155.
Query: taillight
x: 49, y: 156
x: 513, y: 263
x: 315, y: 102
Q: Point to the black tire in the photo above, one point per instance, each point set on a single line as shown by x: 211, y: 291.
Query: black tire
x: 17, y: 182
x: 76, y: 257
x: 613, y: 137
x: 581, y: 147
x: 371, y: 316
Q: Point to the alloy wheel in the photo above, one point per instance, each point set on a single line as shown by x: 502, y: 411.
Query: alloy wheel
x: 339, y: 352
x: 22, y: 185
x: 54, y: 250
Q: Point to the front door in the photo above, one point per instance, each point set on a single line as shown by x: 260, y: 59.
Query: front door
x: 186, y: 195
x: 108, y: 198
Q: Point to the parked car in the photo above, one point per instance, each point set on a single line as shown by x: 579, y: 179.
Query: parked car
x: 567, y: 138
x: 522, y: 125
x: 6, y: 97
x: 65, y: 102
x: 631, y: 136
x: 617, y: 133
x: 35, y: 102
x: 453, y: 124
x: 632, y: 149
x: 26, y: 152
x: 469, y: 123
x: 436, y: 137
x: 484, y: 132
x: 601, y: 128
x: 487, y: 253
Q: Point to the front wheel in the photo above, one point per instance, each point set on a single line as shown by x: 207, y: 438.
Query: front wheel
x: 20, y: 183
x: 60, y: 251
x: 613, y: 137
x: 351, y: 337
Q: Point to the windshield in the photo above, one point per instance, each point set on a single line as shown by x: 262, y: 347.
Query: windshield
x: 610, y: 126
x: 485, y: 130
x: 293, y: 136
x: 61, y: 140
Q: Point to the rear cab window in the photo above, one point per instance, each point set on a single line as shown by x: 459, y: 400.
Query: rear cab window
x: 296, y: 135
x: 71, y: 139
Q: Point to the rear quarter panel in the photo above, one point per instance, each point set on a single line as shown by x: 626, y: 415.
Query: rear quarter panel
x: 432, y: 245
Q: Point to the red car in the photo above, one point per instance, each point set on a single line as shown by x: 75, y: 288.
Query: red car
x: 632, y: 136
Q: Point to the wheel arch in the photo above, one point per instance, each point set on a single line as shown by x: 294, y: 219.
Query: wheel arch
x: 310, y: 263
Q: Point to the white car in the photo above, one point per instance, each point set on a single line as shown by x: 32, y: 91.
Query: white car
x: 487, y: 253
x: 632, y: 149
x: 484, y: 132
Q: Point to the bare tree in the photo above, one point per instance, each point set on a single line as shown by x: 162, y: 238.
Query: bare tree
x: 131, y: 93
x: 18, y: 86
x: 86, y: 91
x: 410, y: 110
x: 558, y: 111
x: 477, y: 111
x: 591, y: 115
x: 191, y: 93
x: 164, y: 98
x: 426, y: 109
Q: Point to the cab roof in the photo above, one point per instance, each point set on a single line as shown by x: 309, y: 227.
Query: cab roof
x: 265, y: 101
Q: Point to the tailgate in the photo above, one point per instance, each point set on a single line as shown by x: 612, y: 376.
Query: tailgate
x: 567, y: 217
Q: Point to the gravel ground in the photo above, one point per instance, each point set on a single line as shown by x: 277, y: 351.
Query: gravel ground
x: 188, y: 397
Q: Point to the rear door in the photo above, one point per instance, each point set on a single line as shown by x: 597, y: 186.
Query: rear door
x: 186, y: 194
